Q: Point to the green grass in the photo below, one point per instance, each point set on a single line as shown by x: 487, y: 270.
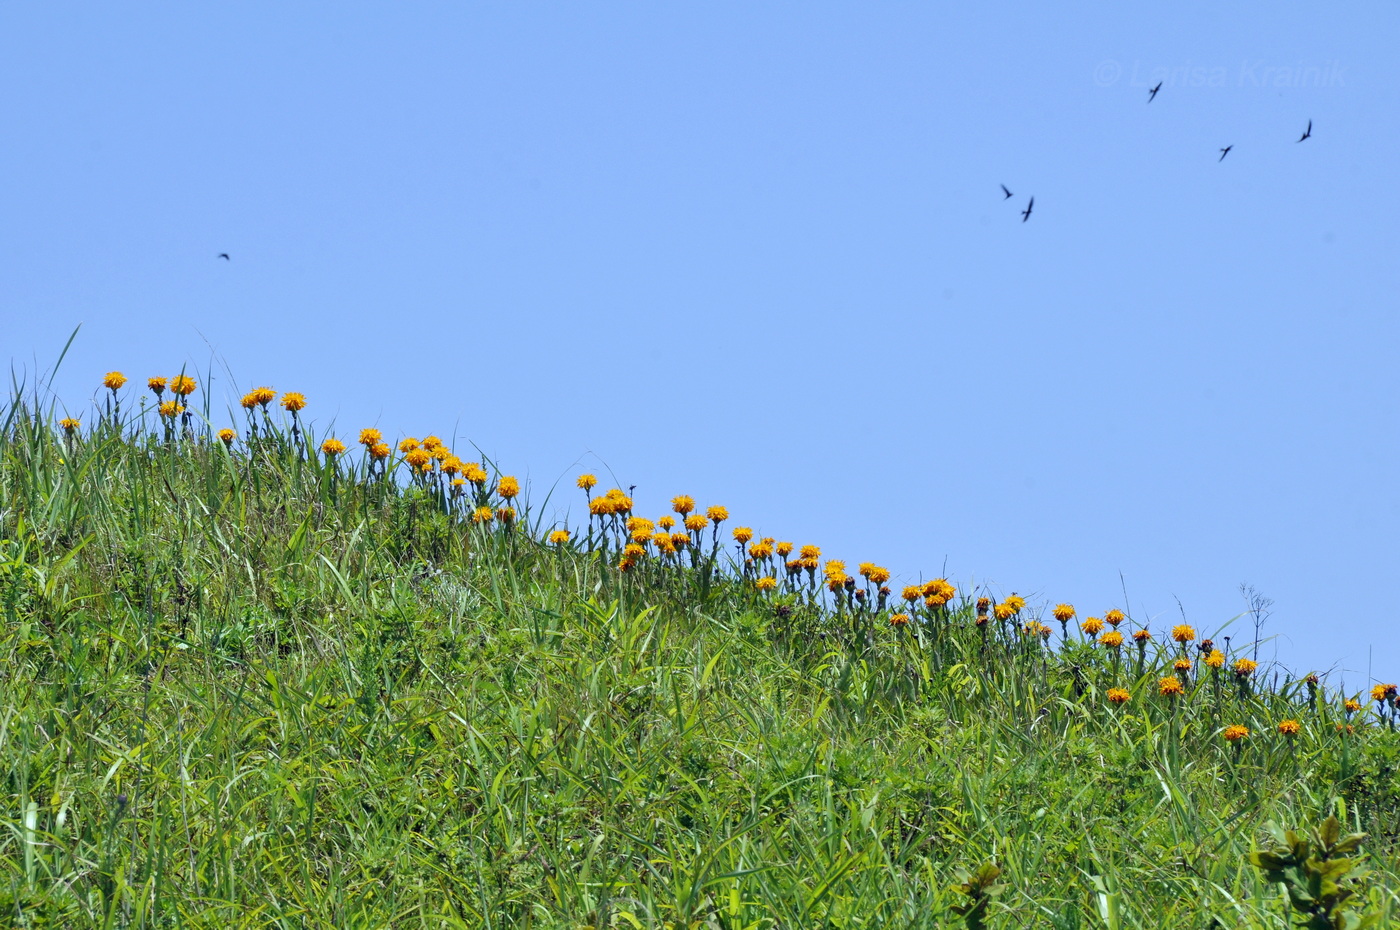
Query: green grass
x: 243, y: 686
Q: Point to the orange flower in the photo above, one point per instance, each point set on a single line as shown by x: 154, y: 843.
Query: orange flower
x: 760, y: 550
x: 1141, y: 637
x: 558, y: 537
x: 157, y: 385
x: 717, y: 514
x: 587, y: 482
x: 1064, y: 612
x: 369, y: 437
x: 1290, y: 728
x: 810, y: 552
x: 784, y: 549
x: 1004, y: 611
x: 1352, y: 705
x: 1091, y: 626
x: 507, y: 487
x: 1170, y: 686
x: 182, y: 385
x: 505, y: 514
x: 482, y: 515
x: 696, y: 522
x: 379, y: 451
x: 332, y: 446
x: 293, y: 401
x: 743, y: 534
x: 899, y: 620
x: 1245, y: 667
x: 69, y: 425
x: 1016, y: 603
x: 228, y: 436
x: 1114, y: 617
x: 170, y: 410
x: 912, y: 593
x: 1235, y: 732
x: 1119, y: 696
x: 1183, y: 633
x: 1112, y: 639
x: 683, y: 504
x: 766, y: 584
x: 113, y: 380
x: 419, y: 459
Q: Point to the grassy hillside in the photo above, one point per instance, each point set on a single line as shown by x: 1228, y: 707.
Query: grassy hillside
x: 257, y: 680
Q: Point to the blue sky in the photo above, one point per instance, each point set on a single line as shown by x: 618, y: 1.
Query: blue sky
x: 759, y: 255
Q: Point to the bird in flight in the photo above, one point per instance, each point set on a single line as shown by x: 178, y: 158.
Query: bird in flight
x: 1152, y: 94
x: 1308, y: 133
x: 1225, y: 151
x: 223, y: 255
x: 1026, y: 213
x: 1006, y: 192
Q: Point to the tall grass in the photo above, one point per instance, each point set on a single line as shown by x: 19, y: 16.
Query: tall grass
x: 248, y: 684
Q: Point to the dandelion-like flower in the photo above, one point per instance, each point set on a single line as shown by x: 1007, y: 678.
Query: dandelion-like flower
x: 1183, y: 633
x: 912, y: 593
x: 1112, y: 639
x: 1114, y: 617
x: 1245, y: 667
x: 409, y: 444
x: 1091, y: 626
x: 666, y: 522
x: 766, y: 584
x: 474, y: 473
x: 227, y: 436
x: 879, y: 575
x: 810, y: 552
x: 558, y: 537
x: 69, y: 425
x: 941, y: 592
x: 663, y: 542
x: 183, y: 385
x: 157, y: 385
x: 587, y: 482
x: 170, y: 409
x: 380, y: 451
x: 717, y: 514
x: 1380, y: 692
x: 783, y: 549
x: 1215, y: 659
x: 332, y: 447
x: 292, y: 401
x: 1234, y: 733
x: 262, y: 395
x: 1170, y: 687
x: 1290, y: 727
x: 680, y: 539
x: 1141, y: 637
x: 482, y: 515
x: 1352, y: 705
x: 1119, y: 696
x: 742, y: 534
x: 696, y: 522
x: 1016, y: 603
x: 761, y: 550
x: 1004, y: 611
x: 452, y: 466
x: 507, y: 487
x: 113, y: 380
x: 420, y: 460
x: 1182, y: 666
x: 369, y: 437
x: 1063, y: 612
x: 899, y: 620
x: 683, y: 504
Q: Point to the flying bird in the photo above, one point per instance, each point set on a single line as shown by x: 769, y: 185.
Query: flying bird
x: 1308, y: 133
x: 223, y: 255
x: 1225, y: 151
x: 1152, y: 94
x: 1026, y: 213
x: 1006, y: 192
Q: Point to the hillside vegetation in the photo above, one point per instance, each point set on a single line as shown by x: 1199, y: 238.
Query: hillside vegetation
x: 262, y: 679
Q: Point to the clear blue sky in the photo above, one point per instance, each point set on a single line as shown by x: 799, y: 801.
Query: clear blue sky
x: 760, y: 256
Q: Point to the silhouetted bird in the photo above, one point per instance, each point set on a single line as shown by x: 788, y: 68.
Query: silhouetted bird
x: 1026, y: 213
x: 1152, y: 94
x: 1306, y: 134
x: 1225, y: 151
x: 223, y: 255
x: 1006, y: 192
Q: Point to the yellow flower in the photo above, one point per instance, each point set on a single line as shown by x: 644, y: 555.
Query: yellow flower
x: 505, y: 514
x: 228, y: 436
x: 248, y: 401
x: 293, y: 401
x: 507, y: 487
x: 69, y: 424
x: 1290, y: 728
x: 664, y: 543
x: 1352, y: 705
x: 939, y: 592
x: 1235, y: 732
x: 766, y: 584
x: 558, y: 537
x: 457, y: 485
x: 1064, y: 612
x: 482, y: 515
x: 1170, y: 686
x: 474, y: 473
x: 170, y: 410
x: 379, y: 451
x: 1183, y: 633
x: 600, y: 506
x: 666, y: 522
x: 1112, y: 639
x: 717, y: 514
x: 369, y: 437
x: 880, y: 575
x: 680, y: 539
x: 262, y: 395
x: 696, y: 522
x: 743, y: 534
x: 157, y: 385
x: 683, y: 504
x: 899, y: 620
x: 1245, y: 667
x: 1141, y: 637
x: 810, y: 552
x: 113, y: 380
x: 452, y: 466
x: 619, y: 502
x: 784, y: 549
x: 332, y: 446
x: 760, y: 550
x: 1119, y: 696
x: 419, y: 459
x: 1004, y: 611
x: 1381, y: 692
x: 587, y: 482
x: 431, y: 442
x: 633, y: 551
x: 1091, y: 626
x: 1215, y: 659
x: 1016, y: 603
x: 183, y: 385
x: 912, y: 593
x: 1182, y: 666
x: 1114, y: 617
